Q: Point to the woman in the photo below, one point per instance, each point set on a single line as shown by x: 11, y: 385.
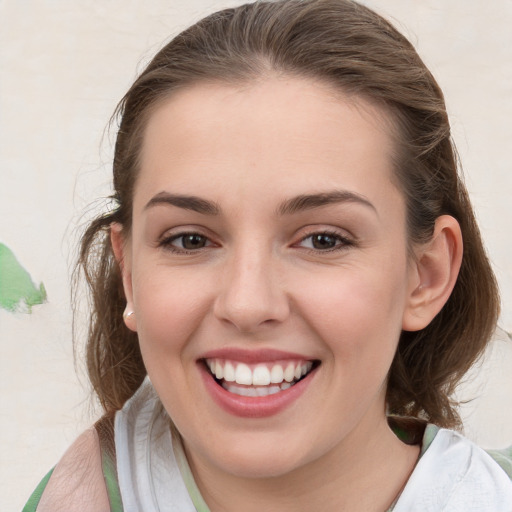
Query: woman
x: 294, y: 264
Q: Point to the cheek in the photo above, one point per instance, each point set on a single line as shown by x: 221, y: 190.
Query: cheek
x: 170, y: 307
x: 358, y: 313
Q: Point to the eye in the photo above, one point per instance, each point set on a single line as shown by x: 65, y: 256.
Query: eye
x: 186, y: 242
x: 325, y: 241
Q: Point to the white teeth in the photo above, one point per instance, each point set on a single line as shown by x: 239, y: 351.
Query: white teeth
x: 261, y: 376
x: 261, y: 391
x: 276, y: 374
x: 219, y: 370
x: 229, y: 372
x: 243, y: 374
x: 255, y: 391
x: 272, y: 390
x: 289, y: 373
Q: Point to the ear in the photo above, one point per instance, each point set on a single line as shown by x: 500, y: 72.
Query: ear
x: 433, y: 274
x: 122, y: 254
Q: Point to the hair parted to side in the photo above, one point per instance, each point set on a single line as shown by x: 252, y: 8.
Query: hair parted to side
x: 355, y: 51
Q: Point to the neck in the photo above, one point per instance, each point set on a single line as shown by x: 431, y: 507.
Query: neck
x: 364, y: 472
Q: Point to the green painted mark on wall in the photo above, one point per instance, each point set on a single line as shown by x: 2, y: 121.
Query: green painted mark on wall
x: 17, y: 291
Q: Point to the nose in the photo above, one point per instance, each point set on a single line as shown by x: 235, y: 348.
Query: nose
x: 252, y: 295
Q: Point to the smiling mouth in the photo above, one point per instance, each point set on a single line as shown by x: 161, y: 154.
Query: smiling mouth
x: 257, y: 380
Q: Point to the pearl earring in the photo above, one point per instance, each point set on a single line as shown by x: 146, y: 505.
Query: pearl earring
x: 128, y: 313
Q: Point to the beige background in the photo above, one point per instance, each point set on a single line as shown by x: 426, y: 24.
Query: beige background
x: 63, y: 67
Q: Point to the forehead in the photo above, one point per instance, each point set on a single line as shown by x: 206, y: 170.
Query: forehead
x: 293, y: 133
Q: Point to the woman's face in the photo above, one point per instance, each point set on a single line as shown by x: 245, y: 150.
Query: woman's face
x: 268, y: 247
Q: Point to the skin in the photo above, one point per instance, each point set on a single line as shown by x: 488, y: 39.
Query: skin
x: 77, y: 483
x: 259, y: 282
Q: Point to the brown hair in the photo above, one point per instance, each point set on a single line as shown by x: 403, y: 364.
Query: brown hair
x: 348, y: 46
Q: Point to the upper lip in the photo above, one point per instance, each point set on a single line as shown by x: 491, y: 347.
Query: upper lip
x: 253, y: 356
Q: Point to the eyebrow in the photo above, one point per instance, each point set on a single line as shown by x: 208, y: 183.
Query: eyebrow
x: 193, y: 203
x: 289, y: 207
x: 310, y: 201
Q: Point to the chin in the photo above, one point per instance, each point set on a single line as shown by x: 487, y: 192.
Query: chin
x: 259, y: 459
x: 263, y: 468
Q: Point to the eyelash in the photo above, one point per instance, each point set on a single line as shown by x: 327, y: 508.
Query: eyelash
x: 166, y: 243
x: 344, y: 242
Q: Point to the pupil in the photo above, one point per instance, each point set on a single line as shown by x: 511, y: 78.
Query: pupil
x: 323, y: 241
x: 193, y: 241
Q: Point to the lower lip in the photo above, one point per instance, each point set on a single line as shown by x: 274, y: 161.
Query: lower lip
x: 253, y: 407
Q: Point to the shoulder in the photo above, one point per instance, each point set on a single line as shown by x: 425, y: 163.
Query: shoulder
x: 453, y: 473
x: 503, y: 458
x: 496, y: 459
x: 77, y: 483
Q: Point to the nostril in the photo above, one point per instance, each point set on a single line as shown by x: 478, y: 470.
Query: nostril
x: 250, y: 300
x: 249, y: 318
